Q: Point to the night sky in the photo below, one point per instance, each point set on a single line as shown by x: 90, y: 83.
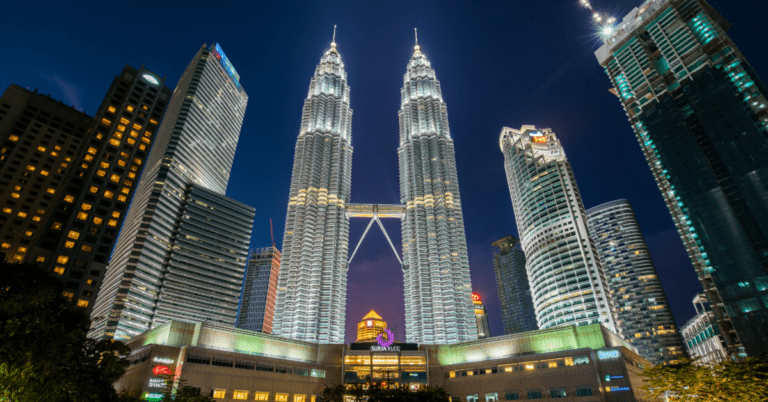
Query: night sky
x: 499, y: 63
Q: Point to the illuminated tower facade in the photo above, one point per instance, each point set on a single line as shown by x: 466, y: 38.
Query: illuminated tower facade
x: 257, y: 301
x: 642, y: 310
x: 481, y: 317
x: 566, y: 279
x: 370, y: 327
x: 312, y: 286
x: 700, y: 114
x: 182, y: 250
x: 438, y: 290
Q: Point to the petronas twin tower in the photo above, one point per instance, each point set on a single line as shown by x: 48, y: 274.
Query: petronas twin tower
x: 312, y: 287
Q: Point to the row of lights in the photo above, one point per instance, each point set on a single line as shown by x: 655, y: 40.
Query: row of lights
x: 606, y: 23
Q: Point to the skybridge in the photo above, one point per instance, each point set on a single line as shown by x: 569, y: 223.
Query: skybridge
x: 376, y: 212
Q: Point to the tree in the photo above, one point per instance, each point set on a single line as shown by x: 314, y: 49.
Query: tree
x: 375, y: 392
x: 45, y: 354
x: 726, y: 381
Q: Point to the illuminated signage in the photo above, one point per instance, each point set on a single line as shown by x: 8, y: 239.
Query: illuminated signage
x: 613, y: 377
x: 160, y: 370
x: 385, y: 348
x: 385, y: 345
x: 538, y: 137
x: 479, y: 312
x: 616, y: 389
x: 228, y: 67
x: 604, y: 354
x: 163, y: 360
x: 153, y: 396
x: 156, y: 383
x: 476, y: 298
x: 369, y: 323
x: 151, y: 79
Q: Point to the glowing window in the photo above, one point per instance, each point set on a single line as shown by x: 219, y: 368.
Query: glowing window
x: 36, y: 218
x: 40, y: 211
x: 129, y: 108
x: 118, y: 135
x: 120, y: 128
x: 114, y: 142
x: 142, y: 147
x: 144, y: 107
x: 14, y: 138
x: 92, y: 150
x: 18, y: 257
x: 82, y: 216
x: 299, y: 398
x: 88, y: 158
x: 281, y: 397
x: 105, y: 121
x: 147, y: 134
x: 69, y: 198
x: 30, y: 168
x: 123, y: 120
x: 241, y: 395
x: 153, y: 121
x: 15, y: 195
x: 22, y: 214
x: 86, y: 249
x: 104, y: 165
x: 86, y: 206
x: 40, y: 259
x: 145, y: 140
x: 63, y: 259
x: 69, y: 244
x: 50, y: 191
x: 17, y: 188
x: 125, y: 190
x: 97, y: 220
x: 28, y: 233
x: 64, y: 164
x: 112, y: 222
x: 137, y: 126
x: 115, y: 214
x: 59, y: 270
x: 121, y: 198
x: 121, y: 162
x: 41, y: 149
x: 94, y: 189
x: 128, y: 183
x: 6, y: 245
x: 108, y: 194
x: 134, y: 134
x: 137, y: 161
x: 21, y: 249
x: 261, y: 396
x: 82, y: 303
x: 44, y: 172
x: 134, y: 168
x: 73, y: 234
x: 7, y: 210
x: 219, y: 393
x: 131, y: 141
x: 115, y: 178
x: 124, y: 155
x: 89, y: 282
x: 68, y: 295
x: 529, y: 366
x: 111, y: 109
x: 56, y: 225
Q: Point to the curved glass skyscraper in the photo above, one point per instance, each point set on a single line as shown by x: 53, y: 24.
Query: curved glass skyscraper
x: 566, y: 279
x: 312, y: 286
x: 642, y: 310
x: 438, y: 290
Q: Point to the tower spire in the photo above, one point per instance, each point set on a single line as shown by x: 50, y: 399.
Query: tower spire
x: 416, y: 48
x: 333, y: 42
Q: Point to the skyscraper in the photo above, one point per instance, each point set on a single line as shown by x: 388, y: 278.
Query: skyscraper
x: 702, y: 335
x: 517, y: 311
x: 567, y: 281
x: 181, y: 253
x: 40, y: 139
x: 481, y: 317
x: 312, y: 286
x: 438, y: 290
x: 77, y: 241
x: 257, y: 300
x: 698, y: 110
x: 642, y: 310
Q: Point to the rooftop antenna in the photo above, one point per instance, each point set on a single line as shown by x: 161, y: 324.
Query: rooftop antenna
x: 271, y: 232
x: 416, y: 33
x: 333, y: 42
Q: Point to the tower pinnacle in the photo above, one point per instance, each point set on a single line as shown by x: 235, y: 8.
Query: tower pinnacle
x: 333, y: 41
x: 416, y: 34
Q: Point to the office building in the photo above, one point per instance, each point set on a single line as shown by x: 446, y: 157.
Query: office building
x: 587, y: 363
x: 312, y: 287
x: 698, y: 110
x: 481, y: 317
x: 182, y: 250
x: 369, y: 328
x: 77, y: 241
x: 702, y: 337
x: 257, y: 300
x: 642, y: 310
x: 517, y: 312
x: 438, y: 289
x: 39, y: 138
x: 567, y: 281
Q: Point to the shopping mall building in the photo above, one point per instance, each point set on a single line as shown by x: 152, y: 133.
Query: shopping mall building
x: 587, y: 363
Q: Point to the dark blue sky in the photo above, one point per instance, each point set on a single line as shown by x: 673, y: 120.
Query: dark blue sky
x: 500, y: 64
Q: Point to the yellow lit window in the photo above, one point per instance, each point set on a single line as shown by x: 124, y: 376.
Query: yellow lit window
x: 17, y: 188
x: 86, y: 206
x: 59, y: 270
x: 112, y: 222
x: 6, y: 245
x: 552, y: 364
x: 111, y: 109
x: 30, y: 168
x: 105, y: 121
x: 89, y: 282
x: 18, y: 257
x: 115, y: 214
x: 529, y: 366
x: 108, y: 194
x: 123, y: 120
x: 86, y: 249
x: 115, y: 178
x: 121, y: 198
x: 137, y: 126
x: 69, y: 244
x: 128, y: 183
x: 313, y: 399
x: 134, y: 168
x: 131, y: 141
x: 131, y: 175
x: 281, y: 397
x: 261, y: 396
x: 94, y: 189
x: 120, y: 128
x: 15, y: 195
x: 104, y: 165
x: 40, y: 211
x: 299, y: 398
x: 92, y: 150
x: 142, y: 147
x: 68, y: 159
x: 84, y: 165
x: 68, y: 295
x: 129, y: 108
x: 69, y: 198
x: 144, y: 107
x: 73, y: 234
x: 21, y: 249
x: 82, y: 303
x: 124, y: 155
x: 54, y: 153
x: 153, y: 121
x: 88, y: 158
x: 240, y: 395
x: 147, y: 134
x: 134, y: 134
x: 56, y: 226
x: 99, y: 136
x: 125, y: 190
x: 28, y: 233
x: 7, y: 210
x: 219, y: 393
x: 97, y: 220
x: 36, y: 218
x: 64, y: 164
x: 118, y: 135
x: 44, y: 172
x: 63, y: 259
x: 41, y: 149
x: 50, y: 191
x: 14, y: 138
x: 82, y: 216
x: 114, y: 142
x: 121, y: 162
x: 145, y: 140
x: 22, y: 214
x: 137, y: 161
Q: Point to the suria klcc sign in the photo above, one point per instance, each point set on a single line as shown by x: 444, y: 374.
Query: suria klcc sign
x: 385, y: 345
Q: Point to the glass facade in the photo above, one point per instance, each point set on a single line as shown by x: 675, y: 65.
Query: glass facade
x: 642, y: 310
x: 312, y: 286
x: 699, y: 113
x: 514, y: 292
x: 182, y: 250
x: 567, y: 281
x: 438, y: 290
x: 257, y: 300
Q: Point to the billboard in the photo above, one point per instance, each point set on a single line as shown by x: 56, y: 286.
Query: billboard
x: 228, y: 67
